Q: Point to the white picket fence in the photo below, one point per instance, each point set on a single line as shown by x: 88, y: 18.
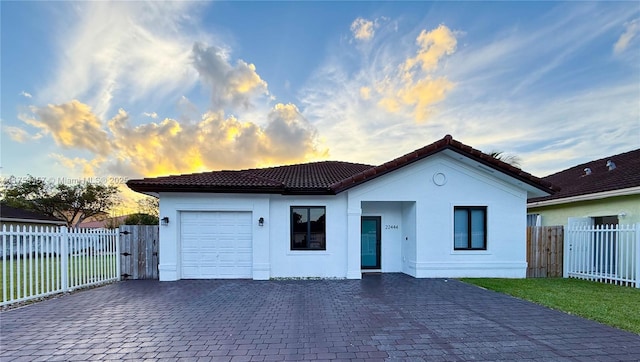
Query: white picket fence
x: 41, y: 261
x: 604, y: 253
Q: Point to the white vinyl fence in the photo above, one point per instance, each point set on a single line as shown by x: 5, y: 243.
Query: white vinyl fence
x: 41, y: 261
x: 604, y: 253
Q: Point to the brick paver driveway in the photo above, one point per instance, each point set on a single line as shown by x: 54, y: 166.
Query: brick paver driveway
x: 380, y: 317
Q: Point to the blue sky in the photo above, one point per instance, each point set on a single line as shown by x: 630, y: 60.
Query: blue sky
x: 132, y: 89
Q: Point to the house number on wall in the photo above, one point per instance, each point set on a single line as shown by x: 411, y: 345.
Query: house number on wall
x: 391, y: 227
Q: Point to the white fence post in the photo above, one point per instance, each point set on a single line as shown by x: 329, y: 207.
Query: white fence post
x: 64, y: 258
x: 6, y: 262
x: 118, y: 273
x: 566, y: 251
x: 636, y: 260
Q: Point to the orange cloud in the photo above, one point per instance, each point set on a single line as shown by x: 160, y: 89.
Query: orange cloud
x: 86, y: 168
x: 414, y: 87
x: 72, y: 125
x: 362, y: 29
x: 434, y: 45
x: 231, y: 86
x: 20, y: 135
x: 170, y: 146
x: 632, y: 30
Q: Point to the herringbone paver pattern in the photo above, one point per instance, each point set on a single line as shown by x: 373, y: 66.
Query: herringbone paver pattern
x: 381, y: 317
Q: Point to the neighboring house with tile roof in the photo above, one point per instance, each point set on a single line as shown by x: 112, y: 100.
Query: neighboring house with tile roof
x: 445, y: 210
x: 20, y: 217
x: 103, y: 222
x: 603, y: 191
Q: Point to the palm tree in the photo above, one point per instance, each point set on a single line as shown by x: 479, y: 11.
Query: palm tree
x: 513, y: 160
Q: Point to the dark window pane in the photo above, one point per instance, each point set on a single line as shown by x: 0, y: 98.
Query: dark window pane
x: 477, y: 228
x: 317, y: 237
x: 461, y: 229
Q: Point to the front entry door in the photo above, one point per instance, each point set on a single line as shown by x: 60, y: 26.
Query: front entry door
x: 370, y: 242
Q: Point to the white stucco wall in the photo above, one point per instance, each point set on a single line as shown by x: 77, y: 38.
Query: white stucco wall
x: 418, y: 198
x: 392, y: 238
x: 408, y: 233
x: 434, y: 255
x: 329, y: 263
x: 172, y: 204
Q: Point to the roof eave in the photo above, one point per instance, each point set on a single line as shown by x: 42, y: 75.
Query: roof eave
x: 586, y: 197
x: 32, y: 221
x: 155, y: 189
x: 310, y: 191
x: 146, y: 189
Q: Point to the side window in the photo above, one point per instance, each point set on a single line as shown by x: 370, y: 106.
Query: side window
x: 470, y: 228
x: 308, y: 228
x: 532, y: 219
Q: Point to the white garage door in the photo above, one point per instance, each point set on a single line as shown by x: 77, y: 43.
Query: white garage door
x: 216, y: 245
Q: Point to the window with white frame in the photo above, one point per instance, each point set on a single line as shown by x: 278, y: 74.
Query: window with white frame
x: 470, y: 228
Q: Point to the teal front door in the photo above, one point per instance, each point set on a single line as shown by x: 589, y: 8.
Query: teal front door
x: 370, y: 242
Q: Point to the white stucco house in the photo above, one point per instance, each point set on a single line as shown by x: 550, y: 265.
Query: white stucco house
x: 445, y: 210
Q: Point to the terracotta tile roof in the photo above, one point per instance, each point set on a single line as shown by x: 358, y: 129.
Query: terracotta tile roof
x: 575, y: 182
x: 96, y: 224
x: 314, y: 178
x: 446, y: 143
x: 311, y: 176
x: 7, y: 212
x: 320, y: 178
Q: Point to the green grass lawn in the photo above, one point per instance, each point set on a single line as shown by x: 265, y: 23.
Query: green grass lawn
x: 48, y: 275
x: 609, y: 304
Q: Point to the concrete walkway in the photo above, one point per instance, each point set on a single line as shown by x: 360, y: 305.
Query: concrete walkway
x: 381, y: 317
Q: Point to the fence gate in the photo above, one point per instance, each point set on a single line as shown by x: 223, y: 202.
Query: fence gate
x: 139, y: 251
x: 604, y: 253
x: 544, y: 251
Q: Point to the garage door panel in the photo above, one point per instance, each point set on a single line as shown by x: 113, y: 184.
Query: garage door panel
x: 216, y: 245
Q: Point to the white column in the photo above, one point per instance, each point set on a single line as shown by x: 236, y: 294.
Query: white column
x: 169, y: 243
x: 262, y: 240
x: 354, y: 215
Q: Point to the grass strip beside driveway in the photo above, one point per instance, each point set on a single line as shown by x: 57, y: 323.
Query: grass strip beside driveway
x: 609, y: 304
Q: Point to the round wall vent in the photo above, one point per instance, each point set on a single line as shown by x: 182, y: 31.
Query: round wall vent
x: 439, y: 178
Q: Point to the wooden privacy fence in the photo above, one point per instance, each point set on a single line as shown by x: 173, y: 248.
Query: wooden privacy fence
x: 139, y: 251
x: 544, y: 251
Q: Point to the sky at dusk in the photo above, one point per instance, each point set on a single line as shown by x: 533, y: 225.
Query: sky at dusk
x: 139, y: 89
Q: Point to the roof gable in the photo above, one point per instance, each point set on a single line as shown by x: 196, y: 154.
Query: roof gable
x: 574, y: 181
x: 446, y: 143
x: 321, y: 178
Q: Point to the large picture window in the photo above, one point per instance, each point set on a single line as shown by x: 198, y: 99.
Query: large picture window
x: 470, y: 228
x: 308, y: 228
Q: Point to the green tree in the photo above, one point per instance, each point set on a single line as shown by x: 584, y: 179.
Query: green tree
x: 141, y: 219
x: 149, y: 205
x: 71, y: 203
